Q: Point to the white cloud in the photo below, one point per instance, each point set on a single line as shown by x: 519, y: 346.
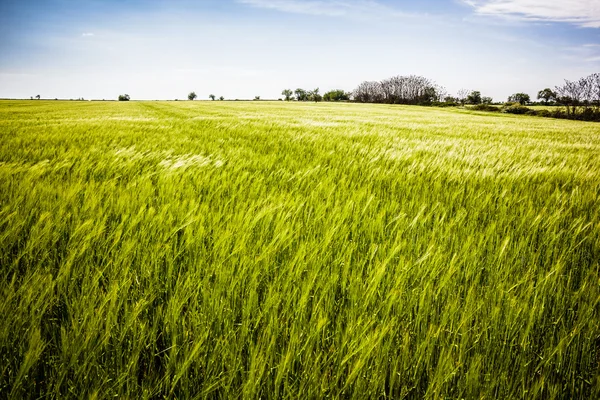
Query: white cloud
x: 330, y: 8
x: 584, y: 13
x: 87, y: 34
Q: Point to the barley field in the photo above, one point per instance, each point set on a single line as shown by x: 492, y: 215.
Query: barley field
x: 296, y: 251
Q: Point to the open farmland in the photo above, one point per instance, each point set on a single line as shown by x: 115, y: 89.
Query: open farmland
x: 286, y: 250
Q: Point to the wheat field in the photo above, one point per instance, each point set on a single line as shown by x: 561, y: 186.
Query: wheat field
x: 294, y: 250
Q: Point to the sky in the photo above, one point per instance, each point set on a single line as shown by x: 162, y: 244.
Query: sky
x: 239, y: 49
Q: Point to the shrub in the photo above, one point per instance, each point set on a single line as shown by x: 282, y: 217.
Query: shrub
x: 516, y: 109
x: 544, y: 113
x: 485, y: 107
x: 444, y: 104
x: 336, y: 95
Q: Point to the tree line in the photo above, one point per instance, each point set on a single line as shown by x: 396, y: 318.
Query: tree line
x: 315, y: 95
x: 579, y: 99
x: 410, y: 89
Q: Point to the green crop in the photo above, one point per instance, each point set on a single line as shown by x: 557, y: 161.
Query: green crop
x: 286, y: 250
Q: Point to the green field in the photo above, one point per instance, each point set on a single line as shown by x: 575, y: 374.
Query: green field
x: 295, y: 250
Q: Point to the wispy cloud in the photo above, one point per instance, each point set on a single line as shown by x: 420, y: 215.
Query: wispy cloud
x: 586, y: 53
x: 87, y: 34
x: 584, y: 13
x: 330, y: 8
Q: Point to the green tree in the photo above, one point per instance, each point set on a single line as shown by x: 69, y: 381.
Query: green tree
x: 521, y: 98
x: 192, y: 96
x: 301, y: 94
x: 315, y: 96
x: 429, y: 95
x: 124, y: 97
x: 546, y: 95
x: 450, y: 99
x: 37, y: 97
x: 336, y: 95
x: 221, y: 98
x: 474, y: 97
x: 288, y: 94
x: 212, y: 97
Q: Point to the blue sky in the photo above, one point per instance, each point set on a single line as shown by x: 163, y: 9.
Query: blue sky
x: 163, y: 49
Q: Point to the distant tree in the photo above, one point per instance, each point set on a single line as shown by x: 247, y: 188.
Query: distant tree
x: 315, y: 96
x: 411, y: 89
x: 429, y: 95
x: 546, y: 95
x: 301, y: 94
x: 474, y: 97
x: 31, y: 97
x: 212, y: 97
x: 256, y: 98
x: 221, y: 98
x: 521, y: 98
x: 37, y: 97
x: 570, y: 95
x: 462, y: 96
x: 336, y: 95
x: 192, y: 96
x: 442, y: 93
x: 288, y: 94
x: 487, y: 100
x: 124, y: 97
x: 369, y: 92
x: 450, y: 99
x: 594, y: 92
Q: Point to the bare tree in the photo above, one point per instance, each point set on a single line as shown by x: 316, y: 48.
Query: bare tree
x: 410, y: 89
x: 462, y: 96
x: 570, y: 95
x: 369, y: 92
x: 594, y: 82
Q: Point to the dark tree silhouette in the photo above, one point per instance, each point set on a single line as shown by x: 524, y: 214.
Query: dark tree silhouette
x: 521, y: 98
x: 474, y: 97
x: 546, y: 95
x: 288, y: 94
